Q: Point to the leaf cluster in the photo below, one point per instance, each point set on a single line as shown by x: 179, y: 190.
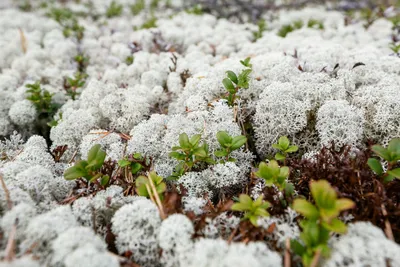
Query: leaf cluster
x: 253, y: 210
x: 134, y: 163
x: 143, y: 185
x: 320, y: 220
x: 233, y: 82
x: 228, y: 144
x: 275, y: 175
x: 72, y: 84
x: 114, y: 10
x: 89, y: 169
x: 284, y: 147
x: 189, y: 152
x: 391, y: 155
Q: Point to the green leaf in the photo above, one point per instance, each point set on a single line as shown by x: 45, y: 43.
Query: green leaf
x: 224, y: 139
x: 245, y: 199
x: 297, y: 247
x: 284, y: 142
x: 136, y: 167
x: 195, y: 139
x: 394, y: 149
x: 74, y: 172
x: 344, y: 204
x: 229, y: 85
x: 238, y: 141
x: 253, y: 220
x: 104, y: 180
x: 336, y: 226
x: 292, y: 149
x: 239, y: 207
x: 395, y: 173
x: 388, y: 178
x: 177, y: 155
x: 279, y: 156
x: 92, y: 155
x: 200, y: 152
x: 232, y: 76
x: 284, y: 172
x: 375, y: 165
x: 220, y: 153
x: 306, y: 209
x: 184, y: 140
x: 123, y: 163
x: 381, y: 151
x: 323, y: 194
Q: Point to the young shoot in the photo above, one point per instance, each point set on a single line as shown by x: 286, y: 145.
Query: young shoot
x: 89, y: 169
x: 114, y: 10
x: 228, y: 145
x: 320, y: 221
x: 275, y: 175
x: 284, y: 147
x: 391, y: 155
x: 253, y: 210
x: 189, y: 153
x: 233, y: 83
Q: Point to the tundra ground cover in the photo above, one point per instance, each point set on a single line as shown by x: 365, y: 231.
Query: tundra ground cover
x: 174, y: 133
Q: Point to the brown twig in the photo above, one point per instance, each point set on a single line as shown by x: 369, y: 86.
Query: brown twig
x: 7, y: 193
x: 157, y: 197
x: 73, y: 156
x: 23, y: 40
x: 287, y: 253
x: 315, y: 260
x: 388, y: 228
x: 10, y: 249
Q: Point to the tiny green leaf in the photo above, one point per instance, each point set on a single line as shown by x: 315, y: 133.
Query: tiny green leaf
x: 123, y: 162
x: 381, y: 151
x: 228, y: 85
x: 305, y: 208
x: 232, y: 76
x: 136, y: 167
x: 279, y: 156
x: 284, y: 142
x: 395, y: 173
x: 224, y: 138
x: 238, y: 141
x: 375, y: 165
x: 184, y: 140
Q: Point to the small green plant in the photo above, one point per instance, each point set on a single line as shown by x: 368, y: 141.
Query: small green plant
x: 138, y: 7
x: 273, y: 174
x: 129, y: 60
x: 89, y: 169
x: 395, y: 48
x: 189, y: 153
x: 83, y: 61
x: 315, y: 24
x: 391, y: 155
x: 133, y: 163
x: 68, y: 20
x: 73, y: 84
x: 284, y: 147
x: 196, y: 10
x: 41, y: 99
x: 114, y: 10
x: 320, y: 221
x: 228, y: 144
x: 233, y: 83
x: 253, y: 210
x: 262, y: 26
x: 143, y: 185
x: 150, y: 23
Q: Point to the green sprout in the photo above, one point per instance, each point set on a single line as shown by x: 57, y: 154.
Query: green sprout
x: 233, y: 83
x: 253, y: 210
x: 395, y: 48
x: 189, y: 153
x: 150, y: 23
x: 89, y: 169
x: 133, y: 163
x: 274, y: 175
x: 228, y: 144
x: 129, y: 60
x: 315, y: 24
x: 284, y: 147
x: 196, y: 10
x: 114, y: 10
x: 137, y: 7
x: 143, y: 185
x: 391, y: 155
x: 262, y: 26
x: 73, y: 84
x: 41, y: 99
x: 320, y: 221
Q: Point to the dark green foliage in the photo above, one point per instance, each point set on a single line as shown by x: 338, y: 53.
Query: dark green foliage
x: 284, y: 147
x: 114, y: 10
x: 391, y: 155
x: 137, y: 7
